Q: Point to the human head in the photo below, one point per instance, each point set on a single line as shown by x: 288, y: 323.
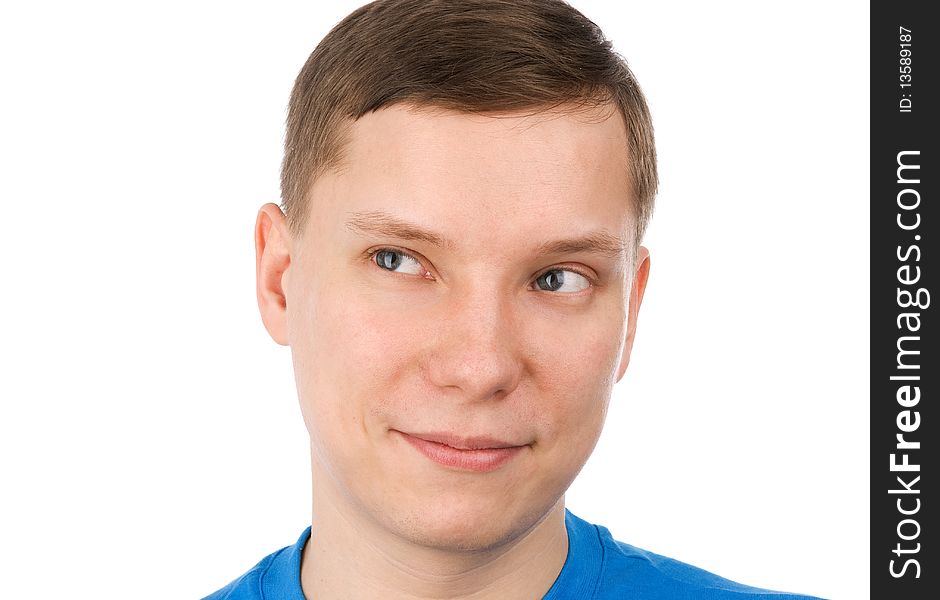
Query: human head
x: 466, y: 344
x: 474, y: 56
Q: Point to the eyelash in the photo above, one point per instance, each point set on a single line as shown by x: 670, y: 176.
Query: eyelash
x: 371, y: 258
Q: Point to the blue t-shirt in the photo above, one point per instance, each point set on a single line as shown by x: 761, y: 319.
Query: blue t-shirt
x: 597, y: 567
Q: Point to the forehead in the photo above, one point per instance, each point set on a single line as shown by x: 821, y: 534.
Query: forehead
x: 484, y: 177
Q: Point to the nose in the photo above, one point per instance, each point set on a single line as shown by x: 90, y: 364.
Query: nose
x: 477, y: 351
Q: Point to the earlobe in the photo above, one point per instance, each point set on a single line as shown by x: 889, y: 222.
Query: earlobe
x: 272, y: 259
x: 637, y: 290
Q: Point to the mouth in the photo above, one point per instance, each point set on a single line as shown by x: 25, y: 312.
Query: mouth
x: 478, y: 454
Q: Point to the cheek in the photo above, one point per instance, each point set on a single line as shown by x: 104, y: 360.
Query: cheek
x: 579, y: 409
x: 578, y: 380
x: 349, y: 351
x: 583, y: 351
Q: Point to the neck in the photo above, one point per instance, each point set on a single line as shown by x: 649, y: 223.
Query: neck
x: 350, y: 555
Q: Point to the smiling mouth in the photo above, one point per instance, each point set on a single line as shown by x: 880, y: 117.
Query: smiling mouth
x: 477, y: 454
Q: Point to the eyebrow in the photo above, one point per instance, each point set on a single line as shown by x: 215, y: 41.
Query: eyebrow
x: 377, y: 222
x: 382, y: 223
x: 600, y: 242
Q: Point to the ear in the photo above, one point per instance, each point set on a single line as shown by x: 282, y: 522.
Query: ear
x: 636, y: 298
x: 272, y: 259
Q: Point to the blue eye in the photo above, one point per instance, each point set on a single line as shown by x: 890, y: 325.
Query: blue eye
x: 555, y: 279
x: 391, y: 260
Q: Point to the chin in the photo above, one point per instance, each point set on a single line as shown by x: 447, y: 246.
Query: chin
x: 460, y: 525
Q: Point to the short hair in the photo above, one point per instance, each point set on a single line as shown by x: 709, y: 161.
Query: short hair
x: 472, y: 56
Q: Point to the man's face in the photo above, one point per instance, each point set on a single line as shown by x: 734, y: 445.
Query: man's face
x: 454, y: 384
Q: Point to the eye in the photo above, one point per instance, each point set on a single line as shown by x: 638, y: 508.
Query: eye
x: 391, y: 260
x: 557, y: 279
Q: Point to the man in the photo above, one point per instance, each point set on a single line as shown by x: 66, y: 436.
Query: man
x: 458, y: 272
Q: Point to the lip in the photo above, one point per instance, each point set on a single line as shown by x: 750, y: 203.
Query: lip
x: 478, y: 454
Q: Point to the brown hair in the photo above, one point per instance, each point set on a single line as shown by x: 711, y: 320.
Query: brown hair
x: 477, y: 56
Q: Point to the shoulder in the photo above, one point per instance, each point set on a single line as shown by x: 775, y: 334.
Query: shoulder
x: 651, y: 575
x: 276, y: 576
x: 248, y: 586
x: 628, y: 571
x: 245, y: 587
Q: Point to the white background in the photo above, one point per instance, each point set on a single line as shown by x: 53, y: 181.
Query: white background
x: 150, y: 439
